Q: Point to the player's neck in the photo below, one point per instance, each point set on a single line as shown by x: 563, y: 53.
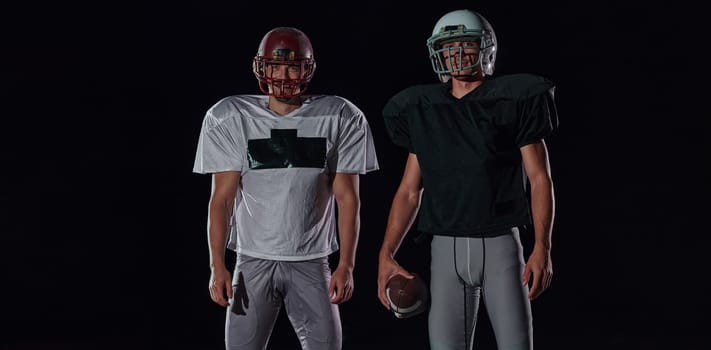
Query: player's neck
x: 284, y: 107
x: 461, y: 88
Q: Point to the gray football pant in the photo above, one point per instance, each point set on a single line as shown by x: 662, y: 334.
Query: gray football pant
x: 261, y: 287
x: 467, y: 269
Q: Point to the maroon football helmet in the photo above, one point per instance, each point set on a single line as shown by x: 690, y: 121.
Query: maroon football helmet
x: 284, y: 46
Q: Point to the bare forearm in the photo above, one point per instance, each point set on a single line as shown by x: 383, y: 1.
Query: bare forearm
x: 217, y: 232
x: 402, y: 214
x: 348, y: 230
x: 543, y: 209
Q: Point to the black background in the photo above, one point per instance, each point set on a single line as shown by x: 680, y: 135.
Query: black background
x: 102, y: 228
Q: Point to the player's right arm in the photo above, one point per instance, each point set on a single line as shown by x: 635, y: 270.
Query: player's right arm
x: 224, y: 190
x: 403, y: 211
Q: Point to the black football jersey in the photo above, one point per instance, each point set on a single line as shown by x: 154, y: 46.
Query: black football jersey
x: 468, y: 150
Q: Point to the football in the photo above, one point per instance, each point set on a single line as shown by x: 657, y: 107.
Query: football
x: 407, y: 297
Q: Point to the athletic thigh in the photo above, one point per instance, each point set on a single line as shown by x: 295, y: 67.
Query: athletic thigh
x: 255, y: 304
x: 505, y: 297
x: 454, y: 304
x: 316, y: 321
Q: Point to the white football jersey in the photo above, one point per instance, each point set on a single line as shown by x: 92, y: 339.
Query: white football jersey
x: 285, y: 207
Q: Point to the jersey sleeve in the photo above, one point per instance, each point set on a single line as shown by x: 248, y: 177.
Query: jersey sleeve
x: 356, y: 148
x: 537, y: 113
x: 396, y: 123
x: 218, y: 147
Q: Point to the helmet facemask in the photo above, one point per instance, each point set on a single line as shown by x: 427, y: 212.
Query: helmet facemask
x: 465, y: 56
x: 283, y: 87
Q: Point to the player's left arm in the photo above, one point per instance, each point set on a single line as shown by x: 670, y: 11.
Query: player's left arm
x: 346, y: 192
x: 536, y: 163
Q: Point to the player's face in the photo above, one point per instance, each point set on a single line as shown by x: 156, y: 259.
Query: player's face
x: 460, y: 54
x: 282, y: 75
x: 283, y: 71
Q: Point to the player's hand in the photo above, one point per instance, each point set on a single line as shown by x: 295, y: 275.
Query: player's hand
x: 540, y: 265
x: 341, y: 287
x: 220, y: 285
x: 387, y: 268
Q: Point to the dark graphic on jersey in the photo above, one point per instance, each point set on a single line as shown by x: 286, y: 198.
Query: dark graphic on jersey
x: 284, y: 150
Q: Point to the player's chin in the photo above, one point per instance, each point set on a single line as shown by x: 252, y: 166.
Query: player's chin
x: 286, y: 94
x: 465, y: 77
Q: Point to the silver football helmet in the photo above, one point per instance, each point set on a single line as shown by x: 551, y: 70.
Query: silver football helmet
x: 462, y: 25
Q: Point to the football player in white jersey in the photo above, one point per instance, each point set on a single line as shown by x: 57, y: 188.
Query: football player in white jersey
x: 285, y: 196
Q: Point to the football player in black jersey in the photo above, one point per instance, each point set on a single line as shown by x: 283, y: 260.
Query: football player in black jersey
x: 478, y: 175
